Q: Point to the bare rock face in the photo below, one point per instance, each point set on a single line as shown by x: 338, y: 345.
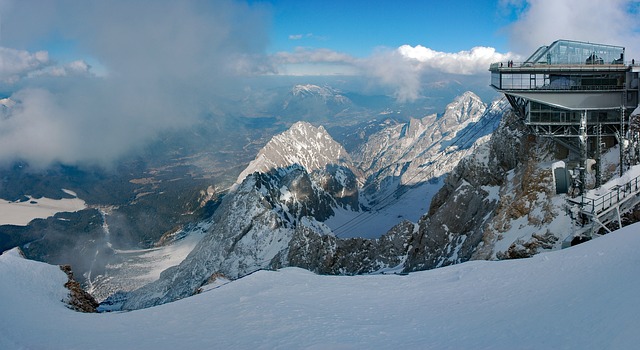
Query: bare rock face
x: 327, y: 254
x: 252, y: 225
x: 79, y: 299
x: 526, y: 249
x: 454, y: 226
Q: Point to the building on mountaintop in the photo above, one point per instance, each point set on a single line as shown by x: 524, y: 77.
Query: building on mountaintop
x: 582, y: 95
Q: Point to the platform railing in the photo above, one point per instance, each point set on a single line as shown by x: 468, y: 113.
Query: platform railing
x: 615, y: 196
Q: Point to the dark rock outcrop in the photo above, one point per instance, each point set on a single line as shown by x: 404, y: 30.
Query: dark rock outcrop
x: 79, y: 299
x: 327, y: 254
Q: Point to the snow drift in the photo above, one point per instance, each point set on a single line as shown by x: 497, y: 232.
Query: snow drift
x: 584, y: 297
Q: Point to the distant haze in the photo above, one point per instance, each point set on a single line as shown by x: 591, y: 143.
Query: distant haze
x: 91, y: 81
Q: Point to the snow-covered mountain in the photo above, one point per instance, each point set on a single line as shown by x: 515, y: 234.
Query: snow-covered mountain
x: 326, y: 93
x: 403, y: 165
x: 426, y: 148
x: 303, y: 144
x: 585, y: 297
x: 281, y: 210
x: 253, y: 226
x: 400, y: 149
x: 309, y: 101
x: 496, y: 202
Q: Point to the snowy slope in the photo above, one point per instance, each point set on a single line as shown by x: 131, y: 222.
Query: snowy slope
x: 585, y: 297
x: 412, y: 159
x: 131, y: 269
x: 403, y: 151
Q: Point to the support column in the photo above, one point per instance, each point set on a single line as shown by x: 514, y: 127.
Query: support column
x: 598, y: 155
x: 583, y: 151
x: 622, y: 140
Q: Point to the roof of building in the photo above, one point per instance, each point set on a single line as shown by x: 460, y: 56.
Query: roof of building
x: 577, y: 52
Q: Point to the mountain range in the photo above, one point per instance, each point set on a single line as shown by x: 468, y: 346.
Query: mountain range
x: 280, y: 211
x: 381, y: 196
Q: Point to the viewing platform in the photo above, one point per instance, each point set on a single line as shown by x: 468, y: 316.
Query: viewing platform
x: 582, y: 95
x: 597, y: 211
x: 570, y: 75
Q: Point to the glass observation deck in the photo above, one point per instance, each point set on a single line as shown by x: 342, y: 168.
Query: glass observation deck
x: 564, y: 65
x: 560, y: 83
x: 567, y: 52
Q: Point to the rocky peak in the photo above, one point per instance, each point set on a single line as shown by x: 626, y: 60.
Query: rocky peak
x: 466, y: 107
x: 303, y: 144
x: 402, y: 151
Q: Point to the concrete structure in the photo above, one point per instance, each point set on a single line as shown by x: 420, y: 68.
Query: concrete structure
x: 580, y: 94
x: 585, y: 97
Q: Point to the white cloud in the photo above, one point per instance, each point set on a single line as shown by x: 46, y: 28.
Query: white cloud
x: 308, y: 36
x: 407, y: 69
x: 404, y: 71
x: 166, y: 60
x: 393, y: 70
x: 474, y: 61
x: 307, y: 55
x: 15, y: 64
x: 541, y: 22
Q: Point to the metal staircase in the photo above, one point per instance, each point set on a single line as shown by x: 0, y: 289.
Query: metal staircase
x: 593, y: 213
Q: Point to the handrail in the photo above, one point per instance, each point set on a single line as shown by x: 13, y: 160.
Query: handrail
x: 559, y: 65
x: 597, y: 206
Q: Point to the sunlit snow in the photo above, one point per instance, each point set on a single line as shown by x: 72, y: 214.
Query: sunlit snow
x: 21, y: 213
x: 584, y: 297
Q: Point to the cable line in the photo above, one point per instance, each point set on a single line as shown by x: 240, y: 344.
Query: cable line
x: 362, y: 216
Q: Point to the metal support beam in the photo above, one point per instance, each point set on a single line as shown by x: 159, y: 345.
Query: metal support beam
x: 598, y: 155
x: 583, y: 152
x: 621, y: 141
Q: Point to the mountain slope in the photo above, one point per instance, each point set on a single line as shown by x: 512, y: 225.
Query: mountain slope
x: 542, y: 302
x: 281, y: 213
x: 401, y: 151
x: 253, y: 225
x: 405, y: 164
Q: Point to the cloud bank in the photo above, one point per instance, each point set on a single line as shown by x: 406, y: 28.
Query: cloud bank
x: 164, y: 61
x: 541, y: 22
x: 16, y: 64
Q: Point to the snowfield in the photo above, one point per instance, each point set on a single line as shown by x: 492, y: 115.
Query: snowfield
x: 585, y: 297
x: 21, y: 213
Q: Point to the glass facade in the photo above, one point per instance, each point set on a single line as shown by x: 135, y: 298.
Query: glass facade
x: 545, y: 114
x: 559, y: 81
x: 575, y: 52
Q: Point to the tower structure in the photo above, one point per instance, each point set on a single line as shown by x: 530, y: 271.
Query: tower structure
x: 580, y: 94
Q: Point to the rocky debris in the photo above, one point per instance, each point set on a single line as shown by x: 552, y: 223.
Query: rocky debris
x: 79, y: 299
x: 327, y: 254
x: 521, y: 249
x: 214, y: 278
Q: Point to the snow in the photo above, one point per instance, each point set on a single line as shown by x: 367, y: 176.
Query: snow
x: 584, y: 297
x: 373, y: 224
x: 21, y: 213
x: 138, y: 267
x: 632, y: 174
x: 493, y: 192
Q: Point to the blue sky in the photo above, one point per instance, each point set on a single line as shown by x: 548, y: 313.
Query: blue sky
x: 91, y: 80
x: 359, y: 27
